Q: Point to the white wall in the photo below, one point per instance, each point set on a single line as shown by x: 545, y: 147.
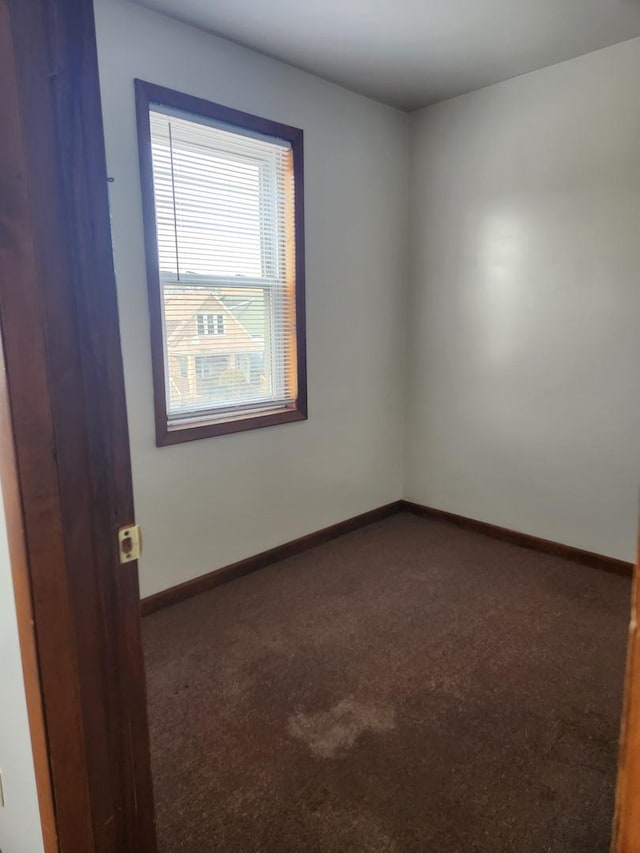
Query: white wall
x: 20, y: 818
x: 208, y: 503
x: 524, y: 398
x: 522, y: 406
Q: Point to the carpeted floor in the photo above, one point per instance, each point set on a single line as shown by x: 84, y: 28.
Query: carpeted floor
x: 407, y: 688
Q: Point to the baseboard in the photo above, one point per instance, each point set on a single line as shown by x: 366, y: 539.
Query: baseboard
x: 524, y: 540
x: 205, y: 582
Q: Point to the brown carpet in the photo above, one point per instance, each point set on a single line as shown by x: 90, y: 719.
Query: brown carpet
x: 407, y: 688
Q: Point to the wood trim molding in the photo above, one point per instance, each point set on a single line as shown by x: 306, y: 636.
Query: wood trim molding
x: 251, y: 564
x: 177, y: 593
x: 524, y: 540
x: 60, y: 333
x: 626, y: 824
x: 24, y: 611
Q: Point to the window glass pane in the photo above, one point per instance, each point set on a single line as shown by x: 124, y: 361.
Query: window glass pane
x: 233, y: 364
x: 215, y: 199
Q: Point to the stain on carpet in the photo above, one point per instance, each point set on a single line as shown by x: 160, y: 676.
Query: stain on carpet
x: 408, y: 688
x: 328, y: 732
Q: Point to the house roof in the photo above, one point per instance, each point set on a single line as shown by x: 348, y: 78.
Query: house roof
x: 182, y: 304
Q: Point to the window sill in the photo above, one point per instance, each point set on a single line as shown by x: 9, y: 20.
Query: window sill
x: 179, y: 434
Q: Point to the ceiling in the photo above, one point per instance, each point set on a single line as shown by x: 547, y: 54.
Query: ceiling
x: 410, y: 53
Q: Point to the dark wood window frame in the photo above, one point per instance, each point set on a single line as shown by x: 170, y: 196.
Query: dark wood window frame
x: 147, y: 96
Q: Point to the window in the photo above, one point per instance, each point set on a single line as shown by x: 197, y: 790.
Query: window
x: 222, y: 198
x: 210, y: 324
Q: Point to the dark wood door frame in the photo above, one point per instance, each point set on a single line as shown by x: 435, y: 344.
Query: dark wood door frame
x: 64, y: 381
x: 626, y: 825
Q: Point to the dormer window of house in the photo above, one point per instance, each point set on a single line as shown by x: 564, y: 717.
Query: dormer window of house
x: 210, y: 324
x: 222, y: 197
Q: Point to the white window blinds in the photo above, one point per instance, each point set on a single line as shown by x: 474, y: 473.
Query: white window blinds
x: 224, y: 210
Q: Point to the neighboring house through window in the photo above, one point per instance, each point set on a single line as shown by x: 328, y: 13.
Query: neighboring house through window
x: 209, y: 367
x: 222, y: 194
x: 183, y: 366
